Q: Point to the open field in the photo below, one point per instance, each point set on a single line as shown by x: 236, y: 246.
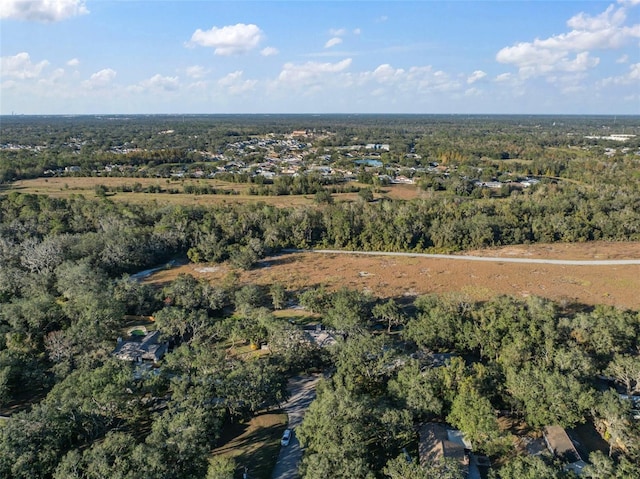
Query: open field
x: 64, y: 187
x: 388, y: 276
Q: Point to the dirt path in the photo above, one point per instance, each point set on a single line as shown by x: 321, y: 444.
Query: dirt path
x: 494, y: 259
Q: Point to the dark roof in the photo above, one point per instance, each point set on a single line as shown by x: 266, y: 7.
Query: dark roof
x: 148, y: 348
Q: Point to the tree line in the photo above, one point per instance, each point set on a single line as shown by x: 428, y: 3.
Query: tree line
x: 42, y: 232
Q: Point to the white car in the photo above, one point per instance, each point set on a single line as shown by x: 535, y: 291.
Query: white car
x: 286, y: 437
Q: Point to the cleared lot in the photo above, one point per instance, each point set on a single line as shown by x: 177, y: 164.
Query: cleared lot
x: 394, y: 276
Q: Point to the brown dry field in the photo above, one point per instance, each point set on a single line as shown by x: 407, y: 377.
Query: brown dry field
x: 64, y: 187
x: 386, y: 276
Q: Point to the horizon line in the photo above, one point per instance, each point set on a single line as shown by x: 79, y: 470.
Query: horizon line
x: 13, y: 114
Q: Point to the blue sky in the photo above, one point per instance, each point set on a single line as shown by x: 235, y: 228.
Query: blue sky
x: 171, y: 56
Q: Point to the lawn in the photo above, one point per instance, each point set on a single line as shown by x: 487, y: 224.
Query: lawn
x: 254, y: 444
x: 298, y: 316
x: 136, y: 326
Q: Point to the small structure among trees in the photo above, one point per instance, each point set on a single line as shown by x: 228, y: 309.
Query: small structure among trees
x: 561, y: 446
x: 439, y: 443
x: 149, y: 348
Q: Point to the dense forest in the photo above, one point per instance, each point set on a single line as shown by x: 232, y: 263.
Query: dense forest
x: 65, y: 293
x: 68, y: 292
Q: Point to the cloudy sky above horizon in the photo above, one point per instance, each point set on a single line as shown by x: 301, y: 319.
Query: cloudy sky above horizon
x: 210, y: 56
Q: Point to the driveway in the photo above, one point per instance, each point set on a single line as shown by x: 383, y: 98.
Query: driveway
x: 302, y: 391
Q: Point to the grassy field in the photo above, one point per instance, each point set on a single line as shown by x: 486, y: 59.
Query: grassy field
x: 407, y: 277
x: 254, y: 444
x: 68, y: 186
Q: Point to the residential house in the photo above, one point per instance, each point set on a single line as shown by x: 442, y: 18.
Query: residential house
x: 148, y: 348
x: 561, y: 446
x: 438, y: 442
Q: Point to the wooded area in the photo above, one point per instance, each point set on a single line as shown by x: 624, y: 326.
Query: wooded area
x: 498, y: 371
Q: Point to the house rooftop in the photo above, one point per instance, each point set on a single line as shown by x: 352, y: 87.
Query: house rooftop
x: 437, y: 442
x: 148, y: 348
x: 560, y: 444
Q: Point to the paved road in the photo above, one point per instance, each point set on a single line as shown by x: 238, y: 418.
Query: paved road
x: 567, y: 262
x: 302, y: 391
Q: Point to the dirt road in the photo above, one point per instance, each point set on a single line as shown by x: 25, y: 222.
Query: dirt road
x: 493, y: 259
x: 302, y: 392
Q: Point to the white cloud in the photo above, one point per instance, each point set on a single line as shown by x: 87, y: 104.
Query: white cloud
x: 582, y: 62
x: 623, y: 59
x: 573, y: 89
x: 542, y: 56
x: 20, y: 66
x: 235, y: 84
x: 473, y: 91
x: 57, y: 74
x: 198, y: 85
x: 475, y: 76
x: 337, y: 32
x: 310, y: 71
x: 583, y: 22
x: 632, y: 77
x: 196, y: 71
x: 425, y: 80
x: 269, y: 51
x: 357, y: 31
x: 332, y: 42
x: 9, y: 84
x: 74, y: 62
x: 160, y: 83
x: 416, y: 80
x: 387, y: 74
x: 52, y: 82
x: 229, y: 40
x: 503, y: 77
x: 46, y: 11
x: 100, y: 79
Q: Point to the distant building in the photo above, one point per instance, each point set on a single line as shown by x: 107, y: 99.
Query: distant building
x: 377, y: 146
x: 402, y: 180
x: 146, y: 349
x: 527, y: 182
x: 614, y: 137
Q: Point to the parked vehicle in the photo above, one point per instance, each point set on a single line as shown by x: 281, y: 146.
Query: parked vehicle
x: 286, y: 437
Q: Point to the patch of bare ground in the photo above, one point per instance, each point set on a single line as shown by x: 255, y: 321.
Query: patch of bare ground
x: 388, y: 276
